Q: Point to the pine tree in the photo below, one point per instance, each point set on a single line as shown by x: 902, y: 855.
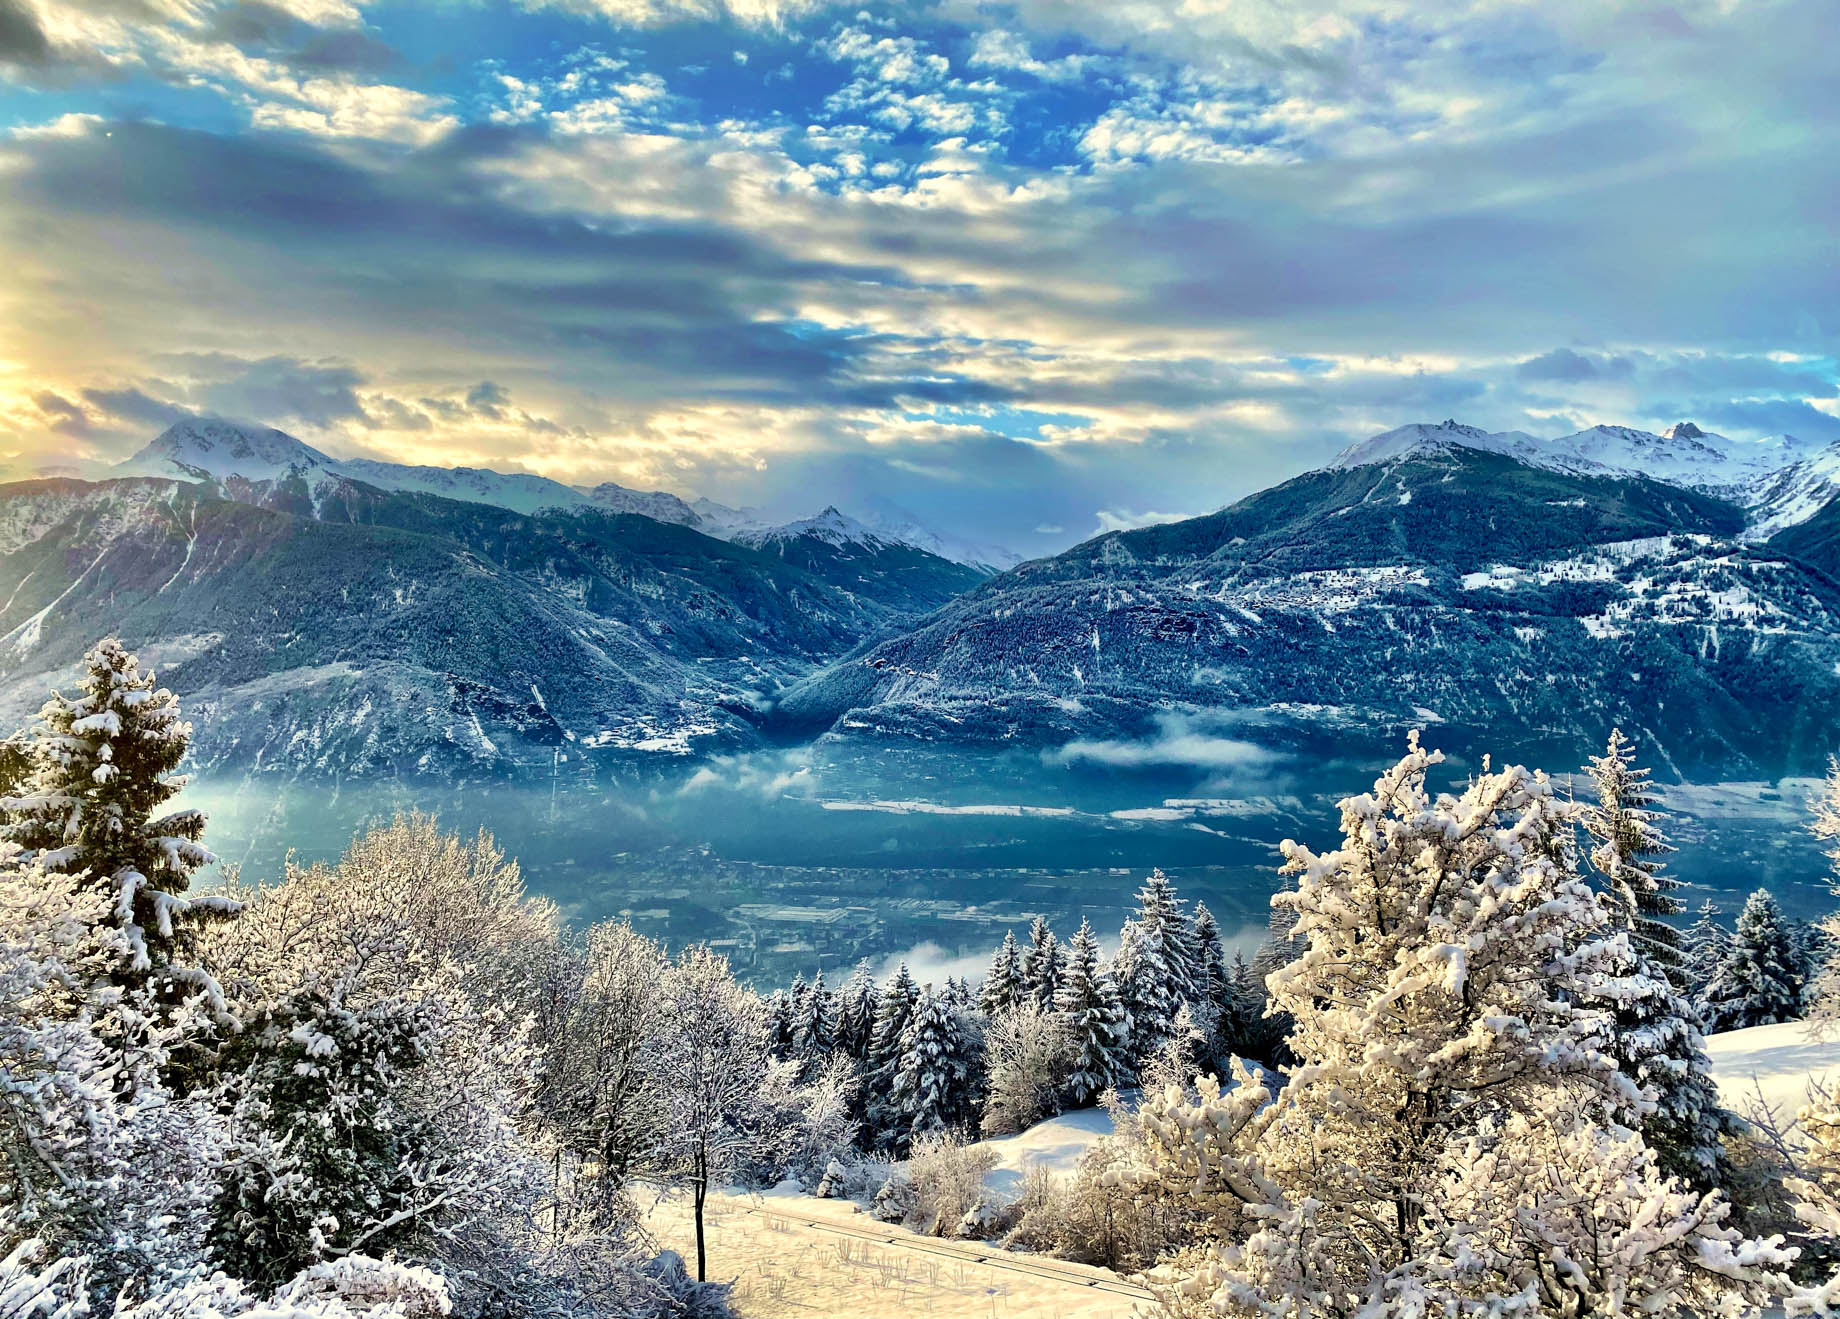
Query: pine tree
x: 1042, y: 965
x: 1758, y: 983
x: 1655, y: 1034
x: 1704, y: 946
x: 778, y: 1007
x: 856, y: 1013
x: 1157, y: 965
x: 1210, y: 963
x: 881, y: 1118
x: 1629, y: 843
x: 814, y: 1030
x: 1090, y: 1001
x: 931, y: 1087
x: 1003, y: 985
x: 103, y: 763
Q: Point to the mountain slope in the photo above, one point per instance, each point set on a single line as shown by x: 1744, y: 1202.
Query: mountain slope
x: 1440, y: 583
x: 406, y: 633
x: 842, y: 551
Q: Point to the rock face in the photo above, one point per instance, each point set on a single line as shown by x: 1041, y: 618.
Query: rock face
x: 1421, y: 578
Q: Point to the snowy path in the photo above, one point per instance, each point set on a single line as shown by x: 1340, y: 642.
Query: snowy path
x: 798, y: 1255
x: 1776, y: 1062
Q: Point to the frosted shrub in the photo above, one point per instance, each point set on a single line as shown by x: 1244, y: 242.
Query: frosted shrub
x: 947, y: 1180
x: 1030, y: 1052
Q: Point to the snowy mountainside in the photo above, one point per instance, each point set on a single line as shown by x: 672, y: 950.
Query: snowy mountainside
x: 386, y: 632
x: 258, y: 464
x: 1446, y: 582
x: 842, y: 551
x: 1682, y: 455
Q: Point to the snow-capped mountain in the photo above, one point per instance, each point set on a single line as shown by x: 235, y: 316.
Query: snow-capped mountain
x: 658, y: 505
x: 1794, y: 494
x: 1682, y: 455
x: 207, y: 448
x: 843, y: 552
x: 1431, y: 576
x: 830, y: 526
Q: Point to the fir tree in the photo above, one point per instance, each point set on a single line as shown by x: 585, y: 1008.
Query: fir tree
x: 1655, y: 1035
x: 892, y: 1015
x: 1156, y: 965
x: 856, y: 1013
x: 814, y: 1028
x: 1758, y: 983
x: 1096, y: 1017
x: 778, y: 1007
x: 931, y: 1087
x: 102, y: 764
x: 1628, y: 844
x: 1042, y: 964
x: 1210, y: 962
x: 1004, y: 985
x: 1703, y: 947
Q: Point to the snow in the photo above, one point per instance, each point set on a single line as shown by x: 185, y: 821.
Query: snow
x: 1682, y: 455
x: 1776, y: 1062
x: 1057, y: 1145
x: 803, y: 1256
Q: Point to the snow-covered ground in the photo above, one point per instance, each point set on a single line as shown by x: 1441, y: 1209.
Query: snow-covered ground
x: 1056, y: 1144
x: 795, y: 1255
x: 1774, y: 1063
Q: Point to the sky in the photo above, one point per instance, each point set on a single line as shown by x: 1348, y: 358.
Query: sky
x: 1025, y: 270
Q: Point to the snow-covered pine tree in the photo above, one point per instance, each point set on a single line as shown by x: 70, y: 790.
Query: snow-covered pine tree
x: 1003, y: 984
x: 1628, y: 843
x: 1089, y: 1000
x: 814, y: 1032
x: 1703, y: 947
x: 103, y: 764
x: 931, y: 1088
x: 1436, y: 997
x: 1168, y: 929
x: 1156, y: 966
x: 896, y: 1009
x: 1042, y: 965
x: 1210, y: 967
x: 778, y: 1007
x: 1758, y: 983
x: 856, y: 1013
x: 1655, y: 1035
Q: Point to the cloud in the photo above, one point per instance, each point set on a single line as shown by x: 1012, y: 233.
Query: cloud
x: 135, y: 406
x: 1177, y: 742
x: 22, y: 40
x: 283, y: 389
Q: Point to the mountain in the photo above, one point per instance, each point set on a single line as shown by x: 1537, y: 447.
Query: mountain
x: 1423, y: 577
x: 840, y: 550
x: 1682, y: 455
x: 320, y: 624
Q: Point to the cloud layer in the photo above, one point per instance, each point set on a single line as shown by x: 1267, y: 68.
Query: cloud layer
x: 1129, y: 260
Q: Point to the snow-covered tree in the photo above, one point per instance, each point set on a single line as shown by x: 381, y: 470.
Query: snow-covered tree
x: 1655, y: 1032
x: 1822, y: 994
x: 712, y: 1067
x: 856, y: 1013
x: 814, y: 1028
x: 931, y: 1087
x: 1627, y: 844
x: 892, y: 1015
x: 596, y: 1100
x: 1042, y: 963
x: 1095, y: 1020
x: 1703, y: 947
x: 103, y: 765
x: 1003, y: 985
x: 1759, y: 981
x: 1445, y: 946
x: 1210, y: 966
x: 1029, y: 1054
x: 1157, y: 965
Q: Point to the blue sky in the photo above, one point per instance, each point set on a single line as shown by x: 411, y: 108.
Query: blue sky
x: 1025, y: 270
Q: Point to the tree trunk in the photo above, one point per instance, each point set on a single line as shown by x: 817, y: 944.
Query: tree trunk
x: 701, y: 1194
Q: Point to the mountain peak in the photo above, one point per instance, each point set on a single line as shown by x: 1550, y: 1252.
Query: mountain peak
x: 1684, y: 430
x: 1421, y: 439
x: 214, y: 448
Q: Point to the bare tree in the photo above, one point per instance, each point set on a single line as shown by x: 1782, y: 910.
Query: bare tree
x: 711, y: 1068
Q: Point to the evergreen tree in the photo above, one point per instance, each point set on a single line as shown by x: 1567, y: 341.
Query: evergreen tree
x: 881, y: 1118
x: 1703, y: 947
x: 1157, y: 965
x: 778, y: 1007
x: 1655, y: 1035
x: 1042, y: 965
x: 856, y: 1013
x: 1453, y: 1086
x: 1096, y: 1017
x: 814, y: 1029
x: 1210, y: 963
x: 102, y: 764
x: 1004, y: 985
x: 931, y: 1087
x: 1759, y: 981
x: 1628, y: 844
